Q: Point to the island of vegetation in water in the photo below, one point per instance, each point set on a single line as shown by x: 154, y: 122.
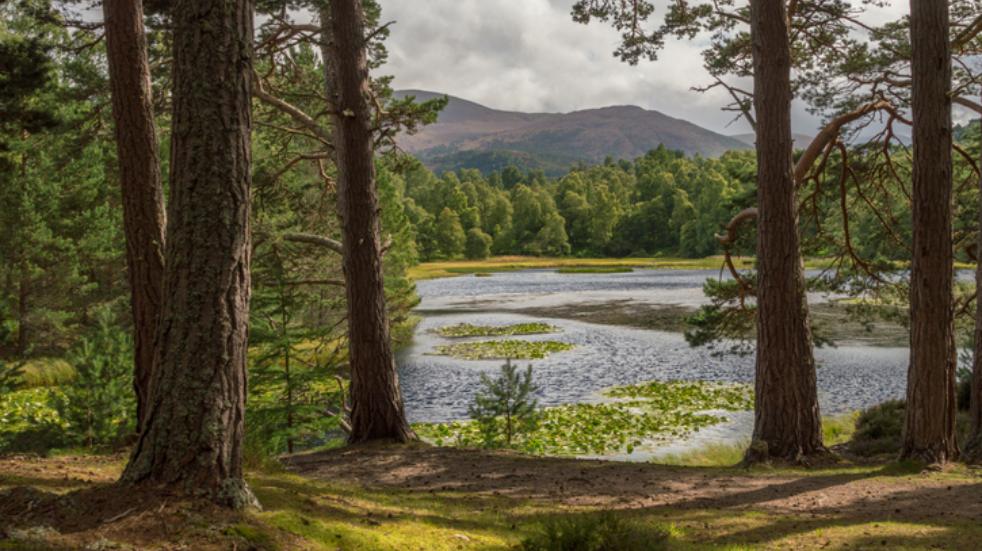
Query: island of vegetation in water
x: 472, y: 330
x: 502, y: 349
x: 595, y: 270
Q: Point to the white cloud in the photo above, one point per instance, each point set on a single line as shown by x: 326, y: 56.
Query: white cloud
x: 529, y: 55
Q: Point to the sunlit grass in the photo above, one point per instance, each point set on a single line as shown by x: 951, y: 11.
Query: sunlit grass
x: 836, y: 430
x: 306, y: 513
x: 40, y: 372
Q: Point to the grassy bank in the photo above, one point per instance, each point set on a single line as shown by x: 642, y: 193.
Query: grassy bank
x: 450, y: 268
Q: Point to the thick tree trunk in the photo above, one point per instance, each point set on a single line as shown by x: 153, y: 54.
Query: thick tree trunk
x: 973, y: 448
x: 139, y: 176
x: 192, y: 441
x: 787, y: 424
x: 376, y: 401
x: 929, y: 434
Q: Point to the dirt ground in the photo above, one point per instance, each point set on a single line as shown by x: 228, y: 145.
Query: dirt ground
x: 420, y: 497
x: 887, y: 493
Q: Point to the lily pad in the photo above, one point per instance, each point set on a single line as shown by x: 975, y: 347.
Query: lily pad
x: 502, y: 350
x: 471, y: 330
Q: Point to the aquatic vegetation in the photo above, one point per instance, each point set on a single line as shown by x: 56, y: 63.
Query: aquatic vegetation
x: 693, y: 395
x: 502, y: 350
x: 471, y: 330
x: 641, y: 413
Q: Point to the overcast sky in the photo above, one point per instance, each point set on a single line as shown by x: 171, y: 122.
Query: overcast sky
x: 529, y: 55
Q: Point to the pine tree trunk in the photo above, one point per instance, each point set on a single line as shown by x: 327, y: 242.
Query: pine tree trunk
x: 787, y: 424
x: 192, y: 441
x: 376, y: 401
x: 929, y: 433
x: 139, y: 176
x: 973, y: 448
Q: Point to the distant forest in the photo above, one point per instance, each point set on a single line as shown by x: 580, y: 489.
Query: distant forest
x: 664, y: 203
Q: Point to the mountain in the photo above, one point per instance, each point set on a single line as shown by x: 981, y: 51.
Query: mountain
x: 470, y: 135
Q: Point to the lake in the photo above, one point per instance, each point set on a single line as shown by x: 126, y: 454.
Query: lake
x: 439, y: 388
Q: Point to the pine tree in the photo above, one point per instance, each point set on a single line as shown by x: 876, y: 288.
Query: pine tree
x: 139, y: 176
x: 929, y: 433
x: 505, y: 406
x: 192, y: 441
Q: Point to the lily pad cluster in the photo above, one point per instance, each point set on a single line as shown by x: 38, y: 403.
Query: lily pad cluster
x: 502, y: 349
x: 640, y: 413
x: 471, y: 330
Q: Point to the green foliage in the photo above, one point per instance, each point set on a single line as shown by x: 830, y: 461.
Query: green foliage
x: 879, y: 430
x: 604, y: 531
x: 478, y: 244
x: 505, y: 406
x: 61, y: 241
x: 662, y: 203
x: 11, y: 377
x: 99, y: 405
x: 28, y: 421
x: 471, y: 330
x: 501, y: 350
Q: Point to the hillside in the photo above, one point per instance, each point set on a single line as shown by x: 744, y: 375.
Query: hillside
x: 470, y: 135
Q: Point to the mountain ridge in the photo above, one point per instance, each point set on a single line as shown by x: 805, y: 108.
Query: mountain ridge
x: 470, y: 135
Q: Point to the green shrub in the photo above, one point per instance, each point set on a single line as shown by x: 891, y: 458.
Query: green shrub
x: 11, y: 377
x: 478, y: 245
x: 879, y: 429
x: 505, y: 406
x: 28, y: 422
x: 596, y: 532
x: 99, y: 405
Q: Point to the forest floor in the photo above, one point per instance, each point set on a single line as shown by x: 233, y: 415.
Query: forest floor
x: 419, y: 497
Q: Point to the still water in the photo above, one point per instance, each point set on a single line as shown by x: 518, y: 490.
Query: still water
x: 438, y: 388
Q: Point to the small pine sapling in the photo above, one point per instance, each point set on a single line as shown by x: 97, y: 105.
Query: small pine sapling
x: 505, y: 406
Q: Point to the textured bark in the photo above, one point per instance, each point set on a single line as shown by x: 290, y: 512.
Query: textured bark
x: 973, y: 448
x: 139, y: 178
x: 192, y: 441
x: 929, y: 434
x: 787, y: 424
x: 376, y: 401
